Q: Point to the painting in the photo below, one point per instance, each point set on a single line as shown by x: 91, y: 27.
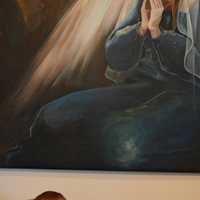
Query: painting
x: 100, y: 85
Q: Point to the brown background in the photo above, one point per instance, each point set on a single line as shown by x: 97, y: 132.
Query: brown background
x: 24, y: 25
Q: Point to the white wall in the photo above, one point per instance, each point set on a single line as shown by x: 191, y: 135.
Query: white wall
x: 24, y: 185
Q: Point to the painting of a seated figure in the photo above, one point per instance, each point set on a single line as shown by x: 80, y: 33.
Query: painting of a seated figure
x: 100, y: 85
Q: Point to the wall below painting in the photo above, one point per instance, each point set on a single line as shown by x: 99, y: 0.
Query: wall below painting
x: 24, y: 185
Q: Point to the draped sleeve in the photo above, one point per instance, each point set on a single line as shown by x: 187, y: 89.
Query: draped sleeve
x: 171, y: 47
x: 123, y: 52
x: 124, y: 47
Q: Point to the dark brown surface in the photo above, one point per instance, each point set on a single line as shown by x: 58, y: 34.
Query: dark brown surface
x: 24, y: 25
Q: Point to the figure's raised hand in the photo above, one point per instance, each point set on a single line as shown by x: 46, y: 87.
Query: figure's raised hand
x: 157, y: 9
x: 145, y: 15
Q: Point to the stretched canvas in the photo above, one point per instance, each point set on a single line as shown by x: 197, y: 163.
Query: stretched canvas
x: 100, y: 85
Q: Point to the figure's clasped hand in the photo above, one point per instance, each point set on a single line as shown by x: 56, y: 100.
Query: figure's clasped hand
x: 151, y: 17
x: 145, y: 14
x: 157, y: 9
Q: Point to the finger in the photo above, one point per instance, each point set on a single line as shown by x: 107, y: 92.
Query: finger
x: 156, y: 2
x: 152, y: 4
x: 144, y: 4
x: 160, y: 3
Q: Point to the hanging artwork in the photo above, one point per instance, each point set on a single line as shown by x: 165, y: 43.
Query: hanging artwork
x: 100, y: 85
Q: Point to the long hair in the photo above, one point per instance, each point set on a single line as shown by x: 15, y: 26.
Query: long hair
x: 171, y: 5
x: 174, y: 7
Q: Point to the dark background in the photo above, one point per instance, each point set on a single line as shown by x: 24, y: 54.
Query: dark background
x: 24, y: 26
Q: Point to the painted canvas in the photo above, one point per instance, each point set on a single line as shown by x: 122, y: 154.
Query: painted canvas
x: 100, y: 85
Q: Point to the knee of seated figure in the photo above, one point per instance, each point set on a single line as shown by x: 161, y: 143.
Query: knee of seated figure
x: 53, y: 117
